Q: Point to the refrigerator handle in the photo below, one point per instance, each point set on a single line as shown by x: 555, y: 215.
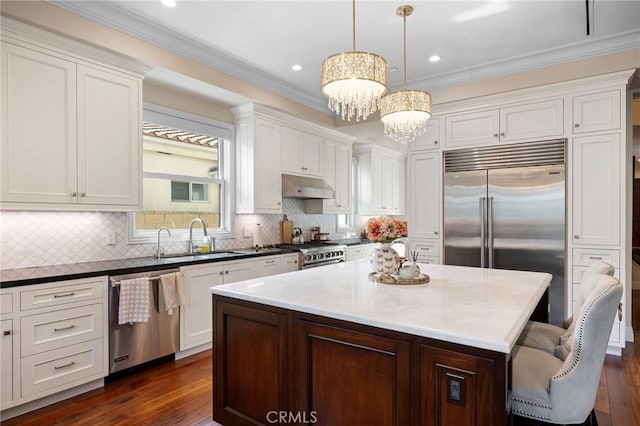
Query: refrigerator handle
x: 482, y: 227
x: 490, y: 227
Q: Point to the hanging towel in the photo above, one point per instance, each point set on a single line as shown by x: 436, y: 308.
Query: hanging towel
x: 171, y: 294
x: 134, y: 301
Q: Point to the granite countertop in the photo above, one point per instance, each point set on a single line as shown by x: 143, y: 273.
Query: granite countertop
x: 52, y: 273
x: 483, y: 308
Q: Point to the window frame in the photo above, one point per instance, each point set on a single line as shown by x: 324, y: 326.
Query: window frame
x: 198, y: 124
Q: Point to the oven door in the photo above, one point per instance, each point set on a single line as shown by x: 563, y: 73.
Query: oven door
x: 321, y: 263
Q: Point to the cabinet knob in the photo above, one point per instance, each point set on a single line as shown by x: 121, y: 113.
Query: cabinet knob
x: 83, y: 194
x: 221, y: 273
x: 576, y: 125
x: 226, y: 272
x: 6, y: 332
x: 74, y: 194
x: 279, y: 203
x: 495, y: 135
x: 577, y: 237
x: 502, y: 134
x: 435, y: 142
x: 435, y: 233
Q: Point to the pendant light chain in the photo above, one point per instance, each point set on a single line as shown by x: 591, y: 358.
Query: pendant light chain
x: 404, y: 26
x: 353, y: 24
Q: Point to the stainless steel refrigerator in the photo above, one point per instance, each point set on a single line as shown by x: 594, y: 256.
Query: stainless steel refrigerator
x: 504, y: 208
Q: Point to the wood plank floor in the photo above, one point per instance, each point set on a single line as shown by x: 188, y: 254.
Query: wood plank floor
x: 180, y: 394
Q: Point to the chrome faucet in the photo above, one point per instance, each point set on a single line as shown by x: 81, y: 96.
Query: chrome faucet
x: 204, y: 229
x: 159, y: 250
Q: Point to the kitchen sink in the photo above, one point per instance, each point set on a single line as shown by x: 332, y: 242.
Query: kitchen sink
x: 200, y: 256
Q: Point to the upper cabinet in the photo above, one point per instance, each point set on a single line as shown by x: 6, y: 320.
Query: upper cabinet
x: 301, y: 153
x: 430, y: 139
x: 596, y: 111
x: 531, y: 121
x: 270, y: 143
x: 381, y: 181
x: 71, y: 134
x: 424, y: 195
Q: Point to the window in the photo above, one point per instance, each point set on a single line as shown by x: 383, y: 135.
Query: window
x: 186, y: 174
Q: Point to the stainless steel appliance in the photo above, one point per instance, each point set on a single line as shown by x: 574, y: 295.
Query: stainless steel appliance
x: 314, y: 254
x: 134, y: 344
x: 504, y: 207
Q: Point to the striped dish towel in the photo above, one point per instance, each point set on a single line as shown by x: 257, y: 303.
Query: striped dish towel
x: 134, y: 301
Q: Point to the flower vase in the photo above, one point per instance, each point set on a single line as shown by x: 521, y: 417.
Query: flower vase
x: 384, y: 259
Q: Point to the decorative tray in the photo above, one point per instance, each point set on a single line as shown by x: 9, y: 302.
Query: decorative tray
x: 395, y: 279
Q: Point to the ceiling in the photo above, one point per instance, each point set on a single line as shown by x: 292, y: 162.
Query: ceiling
x: 259, y: 41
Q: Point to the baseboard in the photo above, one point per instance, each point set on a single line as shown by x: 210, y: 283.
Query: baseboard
x: 628, y: 333
x: 51, y: 399
x: 614, y: 350
x: 193, y: 351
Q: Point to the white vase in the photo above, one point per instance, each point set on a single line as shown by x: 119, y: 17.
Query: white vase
x: 384, y: 259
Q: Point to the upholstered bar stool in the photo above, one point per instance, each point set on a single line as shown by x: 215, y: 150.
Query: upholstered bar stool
x: 551, y: 338
x: 550, y: 390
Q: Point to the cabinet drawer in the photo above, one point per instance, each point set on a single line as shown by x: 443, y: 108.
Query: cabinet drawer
x: 62, y: 368
x: 585, y: 257
x: 67, y: 292
x: 54, y: 330
x: 432, y: 260
x: 578, y: 273
x: 426, y: 249
x: 358, y: 252
x: 6, y: 303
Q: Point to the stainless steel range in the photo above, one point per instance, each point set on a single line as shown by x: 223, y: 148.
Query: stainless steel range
x: 318, y: 253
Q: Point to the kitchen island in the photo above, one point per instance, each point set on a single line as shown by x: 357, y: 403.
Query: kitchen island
x: 328, y: 346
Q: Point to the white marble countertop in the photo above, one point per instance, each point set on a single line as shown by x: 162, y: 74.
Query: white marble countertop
x: 483, y: 308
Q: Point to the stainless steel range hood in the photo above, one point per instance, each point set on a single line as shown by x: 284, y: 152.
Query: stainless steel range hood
x: 305, y: 188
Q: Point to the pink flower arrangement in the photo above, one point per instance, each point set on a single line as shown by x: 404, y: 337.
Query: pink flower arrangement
x: 385, y: 229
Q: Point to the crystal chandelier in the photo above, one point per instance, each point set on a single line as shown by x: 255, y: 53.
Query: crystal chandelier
x: 404, y: 114
x: 354, y: 81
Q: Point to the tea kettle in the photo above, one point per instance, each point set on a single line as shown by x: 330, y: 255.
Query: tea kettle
x: 297, y: 236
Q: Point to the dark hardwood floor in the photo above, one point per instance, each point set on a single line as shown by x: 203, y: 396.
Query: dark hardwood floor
x: 180, y: 394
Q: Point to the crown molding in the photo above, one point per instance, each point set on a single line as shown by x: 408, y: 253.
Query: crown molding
x: 111, y: 15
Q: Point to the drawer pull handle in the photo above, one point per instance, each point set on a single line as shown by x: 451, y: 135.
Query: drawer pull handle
x: 620, y: 312
x: 577, y: 237
x: 271, y: 261
x: 595, y: 257
x: 65, y: 328
x: 65, y: 294
x: 6, y: 333
x: 59, y: 367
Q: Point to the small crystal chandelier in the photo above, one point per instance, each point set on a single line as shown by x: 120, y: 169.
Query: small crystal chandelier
x: 404, y: 114
x: 354, y: 81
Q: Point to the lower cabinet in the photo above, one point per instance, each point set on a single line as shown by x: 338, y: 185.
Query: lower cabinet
x: 428, y: 250
x: 359, y: 251
x: 271, y: 362
x: 54, y: 338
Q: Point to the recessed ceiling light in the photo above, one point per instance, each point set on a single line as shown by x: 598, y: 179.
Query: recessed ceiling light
x: 296, y: 67
x: 394, y: 69
x: 434, y: 58
x: 169, y: 3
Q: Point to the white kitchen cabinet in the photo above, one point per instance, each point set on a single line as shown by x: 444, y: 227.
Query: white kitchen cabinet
x: 301, y: 153
x: 428, y: 251
x: 289, y: 262
x: 430, y: 139
x: 381, y: 181
x: 258, y: 164
x: 359, y: 251
x: 536, y: 120
x: 70, y: 133
x: 337, y: 173
x: 54, y: 338
x: 278, y: 264
x: 195, y: 316
x: 6, y: 362
x: 596, y: 190
x: 424, y: 195
x: 596, y: 111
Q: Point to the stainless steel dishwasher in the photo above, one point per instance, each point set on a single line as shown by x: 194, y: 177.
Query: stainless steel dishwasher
x: 137, y: 343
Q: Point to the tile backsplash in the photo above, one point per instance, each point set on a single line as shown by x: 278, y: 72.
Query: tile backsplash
x: 29, y: 238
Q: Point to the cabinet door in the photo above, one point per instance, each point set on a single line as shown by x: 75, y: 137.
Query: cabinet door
x: 289, y: 263
x: 398, y: 187
x: 597, y: 111
x: 380, y: 187
x: 109, y: 138
x: 38, y: 127
x: 430, y: 139
x: 537, y: 120
x: 424, y: 193
x: 239, y: 271
x: 337, y: 173
x: 312, y: 155
x: 6, y: 362
x: 477, y: 128
x: 596, y: 193
x: 268, y: 267
x: 301, y: 152
x: 195, y: 316
x: 268, y: 168
x: 338, y: 369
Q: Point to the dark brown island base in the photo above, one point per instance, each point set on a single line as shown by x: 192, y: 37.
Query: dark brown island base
x: 326, y: 346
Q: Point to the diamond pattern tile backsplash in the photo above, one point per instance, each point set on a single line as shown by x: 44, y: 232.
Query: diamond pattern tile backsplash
x: 52, y: 238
